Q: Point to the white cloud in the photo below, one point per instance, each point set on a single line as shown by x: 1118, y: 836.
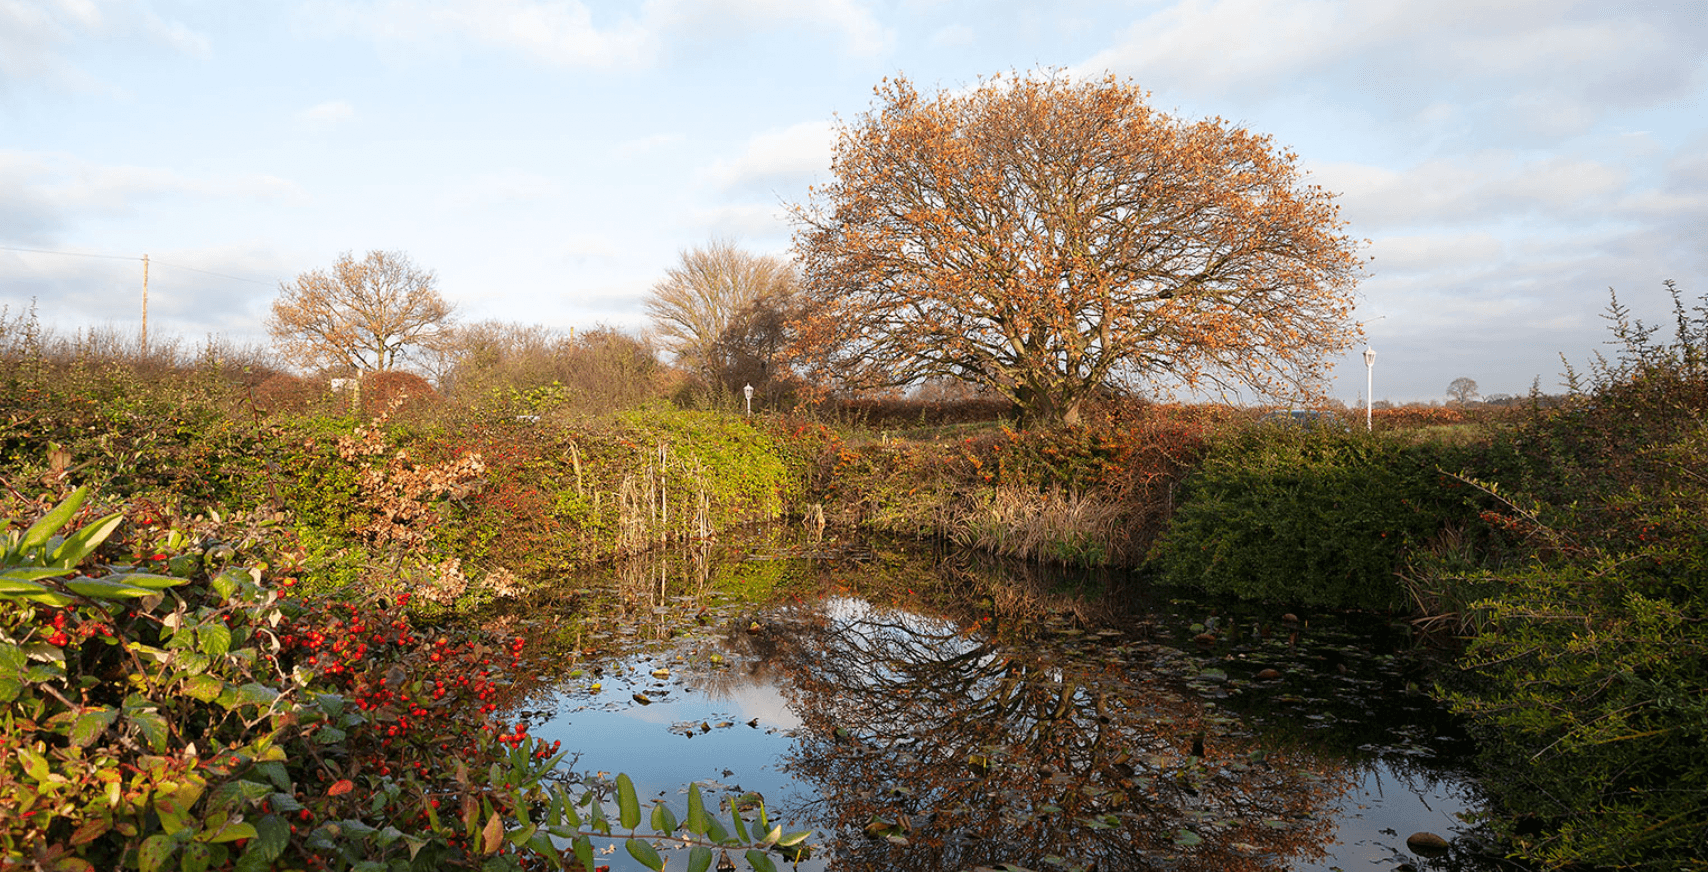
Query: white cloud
x: 565, y: 32
x: 37, y: 38
x: 44, y: 192
x: 553, y: 32
x: 27, y: 212
x: 953, y: 36
x: 850, y: 20
x: 796, y: 151
x: 1527, y: 67
x: 506, y: 188
x: 646, y: 144
x: 1394, y: 255
x: 192, y: 293
x: 1485, y: 187
x: 746, y: 221
x: 330, y: 112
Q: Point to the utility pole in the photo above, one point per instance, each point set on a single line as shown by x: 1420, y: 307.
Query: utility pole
x: 145, y: 304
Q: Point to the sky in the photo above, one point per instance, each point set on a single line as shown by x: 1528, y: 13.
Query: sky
x: 1506, y: 161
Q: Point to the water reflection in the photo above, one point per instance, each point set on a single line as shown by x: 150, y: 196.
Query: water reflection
x: 933, y: 712
x: 929, y: 749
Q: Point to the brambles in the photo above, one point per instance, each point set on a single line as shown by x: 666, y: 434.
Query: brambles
x: 160, y: 722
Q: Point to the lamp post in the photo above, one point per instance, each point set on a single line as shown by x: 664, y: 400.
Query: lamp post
x: 1369, y: 383
x: 747, y: 391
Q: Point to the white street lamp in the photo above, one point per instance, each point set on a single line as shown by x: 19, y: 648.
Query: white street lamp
x: 747, y: 391
x: 1369, y: 383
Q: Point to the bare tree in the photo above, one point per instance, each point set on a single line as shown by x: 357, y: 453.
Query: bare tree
x: 701, y: 297
x: 363, y: 314
x: 1462, y: 391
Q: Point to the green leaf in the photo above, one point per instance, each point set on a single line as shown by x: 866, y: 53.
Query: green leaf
x: 699, y: 859
x: 771, y: 837
x: 627, y: 804
x: 793, y: 839
x: 101, y: 588
x: 22, y: 579
x: 214, y: 639
x: 1187, y: 839
x: 663, y: 819
x: 696, y: 811
x: 83, y: 542
x: 204, y: 687
x: 196, y: 858
x: 50, y: 599
x: 285, y: 803
x: 173, y: 814
x: 275, y: 772
x: 42, y: 530
x: 225, y: 583
x: 272, y: 835
x: 596, y: 816
x: 740, y: 825
x: 569, y: 816
x: 153, y: 728
x: 760, y: 861
x: 541, y: 843
x: 155, y: 851
x: 645, y: 853
x: 584, y: 851
x: 90, y: 724
x: 716, y: 832
x: 150, y: 580
x: 230, y: 832
x: 255, y: 694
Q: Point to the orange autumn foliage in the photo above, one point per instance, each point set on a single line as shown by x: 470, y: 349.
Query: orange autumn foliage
x: 1050, y: 240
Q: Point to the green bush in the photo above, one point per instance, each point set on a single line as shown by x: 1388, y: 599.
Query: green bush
x: 1320, y: 516
x: 1587, y: 674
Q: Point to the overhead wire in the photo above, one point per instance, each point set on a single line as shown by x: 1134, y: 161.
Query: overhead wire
x: 152, y: 261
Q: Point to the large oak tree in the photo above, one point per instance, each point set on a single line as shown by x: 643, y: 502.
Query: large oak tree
x: 361, y: 315
x: 1048, y: 239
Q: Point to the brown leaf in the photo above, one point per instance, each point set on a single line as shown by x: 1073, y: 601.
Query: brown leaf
x: 493, y: 834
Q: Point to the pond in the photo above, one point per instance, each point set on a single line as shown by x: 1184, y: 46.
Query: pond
x: 921, y: 710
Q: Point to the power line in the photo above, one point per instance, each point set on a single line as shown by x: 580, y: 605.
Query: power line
x: 159, y: 262
x: 154, y: 261
x: 69, y: 253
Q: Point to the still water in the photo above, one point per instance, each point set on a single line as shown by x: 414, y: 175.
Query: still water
x: 926, y: 711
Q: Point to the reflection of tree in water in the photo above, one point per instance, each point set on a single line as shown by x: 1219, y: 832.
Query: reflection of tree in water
x: 975, y: 756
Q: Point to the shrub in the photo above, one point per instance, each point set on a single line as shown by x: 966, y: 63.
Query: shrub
x: 395, y: 393
x: 1587, y: 673
x: 286, y: 393
x: 1320, y: 516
